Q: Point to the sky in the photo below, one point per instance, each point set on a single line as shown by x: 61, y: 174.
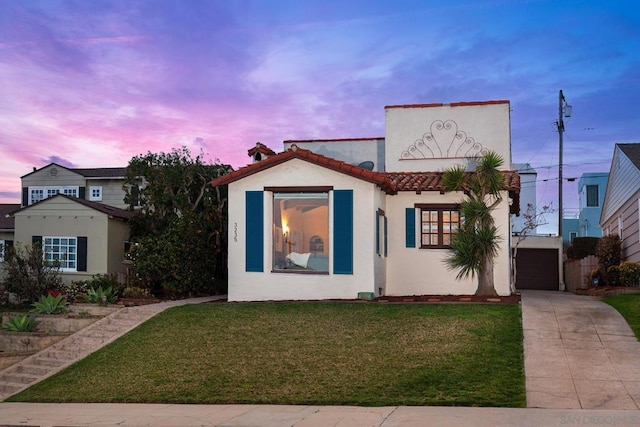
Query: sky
x: 92, y: 83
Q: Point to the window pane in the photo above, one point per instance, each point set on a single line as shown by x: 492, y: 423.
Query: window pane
x: 592, y: 195
x: 301, y: 231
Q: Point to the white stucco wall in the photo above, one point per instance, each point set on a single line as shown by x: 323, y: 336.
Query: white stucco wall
x: 415, y: 271
x: 488, y: 124
x: 268, y: 285
x: 352, y: 151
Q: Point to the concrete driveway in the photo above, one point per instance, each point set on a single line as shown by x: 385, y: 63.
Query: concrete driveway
x: 579, y: 353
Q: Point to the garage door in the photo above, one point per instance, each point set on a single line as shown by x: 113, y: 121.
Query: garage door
x: 537, y: 269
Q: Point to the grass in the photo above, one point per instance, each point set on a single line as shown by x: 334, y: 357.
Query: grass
x: 306, y: 353
x: 629, y: 306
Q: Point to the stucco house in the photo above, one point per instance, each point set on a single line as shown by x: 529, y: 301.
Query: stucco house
x: 348, y: 218
x: 621, y: 207
x: 79, y: 218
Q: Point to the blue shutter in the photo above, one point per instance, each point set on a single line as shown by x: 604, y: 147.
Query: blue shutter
x: 254, y: 238
x: 25, y: 196
x: 410, y: 227
x: 343, y: 232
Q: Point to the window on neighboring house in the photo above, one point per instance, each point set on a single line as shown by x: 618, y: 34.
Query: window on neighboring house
x: 95, y: 193
x: 37, y: 194
x: 572, y: 235
x: 301, y: 231
x: 437, y: 224
x: 592, y: 196
x: 620, y: 226
x: 61, y: 249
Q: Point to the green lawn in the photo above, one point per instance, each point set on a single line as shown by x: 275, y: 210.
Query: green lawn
x: 629, y: 306
x: 370, y: 354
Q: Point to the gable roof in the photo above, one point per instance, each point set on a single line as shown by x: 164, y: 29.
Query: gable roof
x: 100, y: 207
x: 390, y: 182
x: 295, y: 152
x: 632, y: 151
x: 7, y: 222
x: 87, y: 172
x: 262, y: 149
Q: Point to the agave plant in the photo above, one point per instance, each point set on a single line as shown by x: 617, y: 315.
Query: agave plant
x: 50, y: 305
x: 101, y: 296
x: 24, y: 323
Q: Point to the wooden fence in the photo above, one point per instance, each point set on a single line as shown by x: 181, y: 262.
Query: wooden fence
x: 577, y: 272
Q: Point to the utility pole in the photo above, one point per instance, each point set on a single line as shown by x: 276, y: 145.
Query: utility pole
x: 564, y: 109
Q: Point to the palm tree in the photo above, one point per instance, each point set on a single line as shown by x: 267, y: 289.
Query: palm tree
x: 475, y: 245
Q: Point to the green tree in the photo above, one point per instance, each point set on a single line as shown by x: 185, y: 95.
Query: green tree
x: 475, y: 246
x: 179, y: 233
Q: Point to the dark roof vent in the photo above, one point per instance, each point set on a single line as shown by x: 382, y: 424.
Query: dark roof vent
x: 367, y: 164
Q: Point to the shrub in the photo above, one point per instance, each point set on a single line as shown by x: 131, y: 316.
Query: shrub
x: 608, y: 251
x: 100, y: 296
x: 613, y: 275
x: 584, y: 246
x: 24, y: 323
x: 629, y: 273
x: 50, y: 304
x: 27, y: 274
x: 105, y: 281
x: 75, y: 290
x: 135, y: 292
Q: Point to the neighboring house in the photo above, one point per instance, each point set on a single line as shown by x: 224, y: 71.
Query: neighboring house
x: 303, y: 225
x: 591, y: 191
x: 79, y: 218
x: 87, y: 237
x: 103, y: 185
x: 622, y: 200
x: 530, y: 249
x: 7, y: 228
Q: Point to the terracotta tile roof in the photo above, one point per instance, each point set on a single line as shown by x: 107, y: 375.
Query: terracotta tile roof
x: 432, y: 181
x: 293, y: 141
x: 262, y: 149
x: 295, y: 152
x: 453, y: 104
x: 7, y: 223
x: 100, y: 207
x: 390, y: 182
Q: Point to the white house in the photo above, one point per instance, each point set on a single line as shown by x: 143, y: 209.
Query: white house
x: 303, y: 225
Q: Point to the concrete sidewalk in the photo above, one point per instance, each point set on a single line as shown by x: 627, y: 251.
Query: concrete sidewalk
x: 127, y: 415
x: 579, y: 353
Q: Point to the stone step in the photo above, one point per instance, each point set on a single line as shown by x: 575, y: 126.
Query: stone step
x: 33, y: 369
x: 17, y: 378
x: 41, y: 360
x: 8, y: 388
x: 62, y: 355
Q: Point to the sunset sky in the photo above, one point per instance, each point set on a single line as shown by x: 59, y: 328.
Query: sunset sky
x: 93, y: 83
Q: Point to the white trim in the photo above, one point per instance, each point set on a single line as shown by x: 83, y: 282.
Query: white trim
x: 48, y: 191
x: 98, y: 193
x: 68, y: 245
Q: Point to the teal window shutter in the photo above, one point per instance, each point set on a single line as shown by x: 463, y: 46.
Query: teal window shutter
x: 410, y: 227
x: 254, y: 238
x: 343, y: 232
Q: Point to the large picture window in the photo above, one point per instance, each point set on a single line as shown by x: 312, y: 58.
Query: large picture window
x: 62, y: 250
x: 301, y: 230
x: 437, y: 224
